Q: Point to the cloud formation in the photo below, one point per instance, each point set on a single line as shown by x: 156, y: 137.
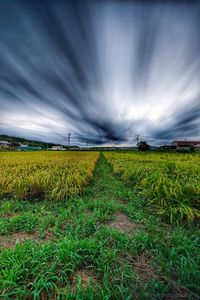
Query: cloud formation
x: 103, y: 70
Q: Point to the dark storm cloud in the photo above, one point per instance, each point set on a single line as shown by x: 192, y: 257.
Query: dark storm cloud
x: 183, y: 121
x: 103, y: 70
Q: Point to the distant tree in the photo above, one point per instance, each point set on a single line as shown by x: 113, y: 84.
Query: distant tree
x: 143, y: 146
x: 192, y: 149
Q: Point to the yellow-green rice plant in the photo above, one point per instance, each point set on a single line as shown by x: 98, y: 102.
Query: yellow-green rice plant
x: 169, y: 183
x: 39, y: 175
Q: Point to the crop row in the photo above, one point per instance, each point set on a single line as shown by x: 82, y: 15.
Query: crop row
x: 39, y: 175
x: 168, y: 183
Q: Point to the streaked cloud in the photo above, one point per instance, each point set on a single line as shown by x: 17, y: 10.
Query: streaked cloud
x: 103, y: 70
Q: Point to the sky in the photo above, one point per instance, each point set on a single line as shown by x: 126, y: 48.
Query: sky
x: 105, y: 71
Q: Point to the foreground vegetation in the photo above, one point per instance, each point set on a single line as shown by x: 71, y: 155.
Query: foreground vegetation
x: 168, y: 183
x: 40, y: 175
x: 102, y: 244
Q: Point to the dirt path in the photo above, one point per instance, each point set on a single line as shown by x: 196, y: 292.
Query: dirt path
x: 129, y: 218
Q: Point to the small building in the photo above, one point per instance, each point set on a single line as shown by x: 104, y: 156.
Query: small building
x: 29, y: 148
x: 8, y: 145
x: 57, y: 148
x: 5, y: 144
x: 184, y: 144
x: 167, y: 147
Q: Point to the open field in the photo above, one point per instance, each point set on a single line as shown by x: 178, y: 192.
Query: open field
x: 168, y: 183
x: 106, y: 240
x: 41, y: 175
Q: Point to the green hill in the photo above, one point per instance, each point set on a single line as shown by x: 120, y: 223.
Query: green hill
x: 34, y: 143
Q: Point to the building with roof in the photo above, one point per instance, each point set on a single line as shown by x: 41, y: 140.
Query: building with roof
x: 29, y: 148
x: 4, y: 144
x: 184, y: 144
x: 57, y: 148
x: 167, y: 147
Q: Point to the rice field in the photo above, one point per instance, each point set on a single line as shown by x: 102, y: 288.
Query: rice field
x: 84, y: 225
x: 45, y: 175
x: 169, y: 184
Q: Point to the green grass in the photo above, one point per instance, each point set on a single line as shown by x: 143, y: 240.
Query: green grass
x: 80, y: 239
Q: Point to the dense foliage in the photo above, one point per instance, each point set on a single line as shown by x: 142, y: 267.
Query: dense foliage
x: 168, y: 183
x: 40, y: 175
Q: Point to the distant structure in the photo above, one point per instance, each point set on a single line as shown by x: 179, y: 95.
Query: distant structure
x: 8, y: 145
x: 167, y: 147
x: 28, y: 148
x: 73, y: 148
x: 4, y: 145
x: 180, y: 144
x: 57, y: 148
x: 69, y: 137
x: 137, y: 139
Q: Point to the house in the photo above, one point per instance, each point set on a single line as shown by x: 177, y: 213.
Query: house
x: 23, y: 146
x: 8, y: 145
x: 186, y: 144
x: 5, y: 144
x: 167, y: 147
x: 57, y: 148
x: 29, y: 148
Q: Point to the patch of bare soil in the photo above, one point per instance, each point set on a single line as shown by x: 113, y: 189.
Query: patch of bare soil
x: 86, y: 276
x: 178, y: 292
x: 142, y: 267
x: 9, y: 241
x: 47, y: 295
x: 123, y: 224
x: 49, y: 235
x: 12, y: 215
x: 89, y: 213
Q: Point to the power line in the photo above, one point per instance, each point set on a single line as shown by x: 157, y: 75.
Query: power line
x: 137, y: 138
x: 69, y: 136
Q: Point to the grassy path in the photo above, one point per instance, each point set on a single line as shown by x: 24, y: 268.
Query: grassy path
x: 102, y: 244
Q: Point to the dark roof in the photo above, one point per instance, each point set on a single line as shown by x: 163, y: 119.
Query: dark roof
x: 186, y: 143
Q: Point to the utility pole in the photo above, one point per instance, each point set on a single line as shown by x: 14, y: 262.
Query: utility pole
x: 137, y: 138
x: 69, y: 136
